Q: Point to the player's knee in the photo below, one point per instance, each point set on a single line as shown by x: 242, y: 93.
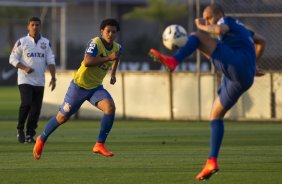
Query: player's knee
x: 61, y: 118
x: 217, y: 114
x: 201, y: 36
x: 111, y: 109
x: 218, y: 110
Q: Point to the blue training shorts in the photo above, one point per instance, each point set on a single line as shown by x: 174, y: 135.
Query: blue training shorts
x: 76, y: 95
x: 238, y: 68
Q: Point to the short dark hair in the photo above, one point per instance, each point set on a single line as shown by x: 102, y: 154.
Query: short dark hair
x: 34, y: 19
x: 110, y: 22
x: 216, y: 8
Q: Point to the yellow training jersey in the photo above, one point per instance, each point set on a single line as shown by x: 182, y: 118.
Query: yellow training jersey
x: 91, y: 77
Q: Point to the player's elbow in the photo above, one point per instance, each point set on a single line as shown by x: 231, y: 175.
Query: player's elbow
x: 260, y: 40
x: 261, y: 45
x: 263, y: 42
x: 89, y: 61
x: 86, y: 64
x: 13, y: 62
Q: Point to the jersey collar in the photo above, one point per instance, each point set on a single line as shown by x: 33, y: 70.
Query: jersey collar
x: 108, y: 48
x: 31, y: 38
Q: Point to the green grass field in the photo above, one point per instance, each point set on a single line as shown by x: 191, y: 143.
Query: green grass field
x: 9, y: 102
x: 152, y: 152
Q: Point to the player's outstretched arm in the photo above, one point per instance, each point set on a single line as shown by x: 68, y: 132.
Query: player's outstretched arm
x: 259, y: 41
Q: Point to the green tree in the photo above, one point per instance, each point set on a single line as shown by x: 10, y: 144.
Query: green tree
x: 159, y: 12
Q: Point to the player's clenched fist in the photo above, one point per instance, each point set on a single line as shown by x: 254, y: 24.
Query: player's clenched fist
x: 114, y: 56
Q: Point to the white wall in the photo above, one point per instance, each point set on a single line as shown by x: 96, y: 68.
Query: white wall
x: 148, y: 95
x: 277, y: 86
x: 255, y: 103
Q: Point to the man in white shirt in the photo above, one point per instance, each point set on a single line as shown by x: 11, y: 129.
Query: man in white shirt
x: 31, y: 54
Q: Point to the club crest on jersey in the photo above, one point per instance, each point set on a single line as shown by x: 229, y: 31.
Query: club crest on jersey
x: 67, y: 107
x: 43, y: 45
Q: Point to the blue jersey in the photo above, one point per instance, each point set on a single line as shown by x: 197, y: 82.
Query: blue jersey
x: 235, y: 57
x: 238, y: 35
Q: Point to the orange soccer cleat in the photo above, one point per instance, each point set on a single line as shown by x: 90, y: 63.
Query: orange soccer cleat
x: 37, y: 149
x: 100, y: 148
x: 209, y: 169
x: 169, y: 62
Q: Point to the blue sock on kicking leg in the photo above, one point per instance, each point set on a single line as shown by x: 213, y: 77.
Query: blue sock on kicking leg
x: 50, y: 127
x: 192, y: 44
x: 217, y: 132
x: 106, y: 126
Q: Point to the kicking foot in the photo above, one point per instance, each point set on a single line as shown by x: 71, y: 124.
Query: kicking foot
x: 169, y: 62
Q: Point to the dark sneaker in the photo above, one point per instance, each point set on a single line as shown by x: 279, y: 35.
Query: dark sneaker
x: 29, y: 139
x: 21, y: 136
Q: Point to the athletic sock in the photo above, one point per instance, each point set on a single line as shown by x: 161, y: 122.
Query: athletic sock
x: 191, y: 45
x: 106, y: 126
x: 217, y: 132
x: 50, y: 127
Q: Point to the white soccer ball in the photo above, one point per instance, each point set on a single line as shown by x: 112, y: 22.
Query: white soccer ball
x: 174, y: 36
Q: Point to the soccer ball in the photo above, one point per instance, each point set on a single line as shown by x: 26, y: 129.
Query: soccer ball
x: 174, y: 36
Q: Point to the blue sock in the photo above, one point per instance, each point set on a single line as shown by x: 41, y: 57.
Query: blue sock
x: 192, y: 44
x: 106, y: 126
x: 217, y: 132
x: 50, y: 127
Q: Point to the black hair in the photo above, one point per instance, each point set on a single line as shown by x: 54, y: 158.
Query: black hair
x: 109, y: 22
x: 34, y: 19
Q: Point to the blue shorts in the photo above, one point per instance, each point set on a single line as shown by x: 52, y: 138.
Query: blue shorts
x: 238, y: 68
x: 76, y: 95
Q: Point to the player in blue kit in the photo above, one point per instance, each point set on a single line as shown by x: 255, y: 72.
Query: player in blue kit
x: 101, y: 55
x: 234, y: 54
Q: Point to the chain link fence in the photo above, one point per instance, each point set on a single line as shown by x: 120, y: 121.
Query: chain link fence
x: 264, y: 17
